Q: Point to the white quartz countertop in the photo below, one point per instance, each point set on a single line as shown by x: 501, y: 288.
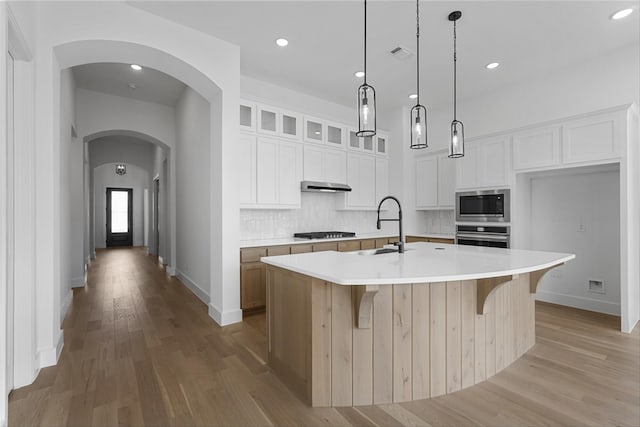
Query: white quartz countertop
x: 421, y: 263
x: 361, y: 236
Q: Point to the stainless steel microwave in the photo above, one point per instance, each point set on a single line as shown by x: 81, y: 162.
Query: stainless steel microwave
x: 483, y: 206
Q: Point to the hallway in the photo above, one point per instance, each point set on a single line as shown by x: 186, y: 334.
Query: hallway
x: 140, y: 349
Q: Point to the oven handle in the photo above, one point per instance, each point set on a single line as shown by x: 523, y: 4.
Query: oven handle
x: 483, y: 237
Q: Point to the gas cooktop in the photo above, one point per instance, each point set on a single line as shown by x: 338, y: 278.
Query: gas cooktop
x: 325, y: 235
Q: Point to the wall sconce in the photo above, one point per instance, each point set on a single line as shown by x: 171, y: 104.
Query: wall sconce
x: 121, y: 169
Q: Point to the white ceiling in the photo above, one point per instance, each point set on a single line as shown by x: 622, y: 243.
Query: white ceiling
x: 528, y: 38
x: 114, y: 78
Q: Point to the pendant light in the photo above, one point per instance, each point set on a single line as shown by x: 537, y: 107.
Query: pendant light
x: 418, y: 112
x: 366, y: 96
x: 456, y: 148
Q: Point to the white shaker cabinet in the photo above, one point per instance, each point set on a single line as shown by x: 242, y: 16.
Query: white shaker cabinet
x: 427, y: 182
x: 325, y: 165
x: 593, y: 138
x: 382, y: 179
x: 361, y: 177
x: 486, y: 163
x: 247, y: 180
x: 446, y: 181
x: 536, y: 148
x: 278, y: 173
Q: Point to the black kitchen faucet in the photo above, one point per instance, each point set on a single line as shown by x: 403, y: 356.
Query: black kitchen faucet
x: 399, y: 244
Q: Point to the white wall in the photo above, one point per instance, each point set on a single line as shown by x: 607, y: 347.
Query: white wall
x: 192, y: 195
x: 579, y: 213
x: 136, y: 178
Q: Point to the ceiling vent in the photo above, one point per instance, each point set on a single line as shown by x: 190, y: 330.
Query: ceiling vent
x: 401, y: 53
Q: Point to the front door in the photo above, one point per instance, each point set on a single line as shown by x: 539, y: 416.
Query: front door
x: 119, y: 217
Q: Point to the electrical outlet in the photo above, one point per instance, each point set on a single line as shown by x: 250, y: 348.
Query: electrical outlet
x: 582, y: 228
x: 596, y: 286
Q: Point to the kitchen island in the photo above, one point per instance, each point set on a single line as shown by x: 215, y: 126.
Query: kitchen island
x: 359, y: 328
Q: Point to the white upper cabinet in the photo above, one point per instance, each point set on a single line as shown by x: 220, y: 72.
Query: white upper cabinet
x: 290, y: 125
x: 536, y: 148
x: 268, y: 122
x: 427, y: 182
x: 446, y: 181
x: 382, y: 179
x: 592, y: 138
x: 325, y: 165
x: 336, y: 135
x: 354, y: 142
x: 381, y: 144
x: 247, y: 184
x: 485, y: 164
x: 314, y: 130
x: 361, y: 177
x: 368, y: 144
x: 278, y: 173
x: 247, y: 116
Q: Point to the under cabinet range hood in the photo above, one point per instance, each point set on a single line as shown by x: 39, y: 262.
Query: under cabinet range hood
x: 323, y: 187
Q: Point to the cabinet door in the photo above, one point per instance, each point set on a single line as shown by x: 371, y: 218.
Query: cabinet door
x: 536, y: 148
x: 290, y: 125
x: 268, y: 120
x: 361, y: 177
x: 493, y: 163
x: 267, y: 171
x: 314, y: 130
x: 247, y: 116
x: 354, y: 142
x: 467, y: 168
x: 313, y: 158
x: 289, y: 173
x: 446, y: 181
x: 335, y: 166
x: 592, y: 138
x: 382, y: 179
x: 427, y: 182
x: 381, y: 144
x: 336, y: 135
x: 247, y: 179
x: 253, y: 279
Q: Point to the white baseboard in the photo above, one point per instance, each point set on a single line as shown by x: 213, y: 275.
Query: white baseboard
x: 93, y: 255
x: 579, y: 302
x: 49, y: 356
x: 171, y: 271
x: 80, y: 281
x: 88, y: 260
x: 160, y: 261
x: 65, y: 305
x: 193, y: 287
x: 225, y: 318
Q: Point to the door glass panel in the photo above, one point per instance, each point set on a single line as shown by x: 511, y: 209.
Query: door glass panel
x: 289, y: 125
x: 354, y: 141
x: 245, y: 115
x: 268, y: 120
x: 382, y: 145
x: 334, y: 135
x: 314, y: 130
x: 119, y: 212
x: 368, y: 143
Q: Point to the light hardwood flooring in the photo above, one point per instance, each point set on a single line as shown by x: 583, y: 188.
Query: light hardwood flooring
x: 140, y: 349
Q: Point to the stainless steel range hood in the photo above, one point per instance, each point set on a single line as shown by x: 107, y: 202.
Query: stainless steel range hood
x: 323, y: 187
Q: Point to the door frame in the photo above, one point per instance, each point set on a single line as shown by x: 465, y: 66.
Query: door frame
x: 156, y: 216
x: 109, y: 234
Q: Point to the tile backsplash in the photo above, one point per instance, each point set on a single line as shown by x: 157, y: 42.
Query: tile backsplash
x: 439, y: 222
x: 318, y: 213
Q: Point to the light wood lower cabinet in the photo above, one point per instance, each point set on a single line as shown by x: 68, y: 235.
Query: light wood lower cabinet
x: 349, y: 245
x: 412, y: 239
x: 252, y: 285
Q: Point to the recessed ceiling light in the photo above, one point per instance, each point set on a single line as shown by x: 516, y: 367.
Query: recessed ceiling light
x: 492, y: 65
x: 622, y: 13
x: 282, y: 42
x: 413, y: 96
x: 359, y: 74
x: 136, y: 67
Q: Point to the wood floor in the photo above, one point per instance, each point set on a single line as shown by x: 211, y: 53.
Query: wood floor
x: 140, y: 349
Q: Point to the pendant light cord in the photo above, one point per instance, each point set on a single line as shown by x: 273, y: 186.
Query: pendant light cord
x: 455, y: 70
x: 365, y: 42
x: 418, y: 51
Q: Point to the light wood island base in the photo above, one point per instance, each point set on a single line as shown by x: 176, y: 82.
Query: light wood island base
x: 421, y: 340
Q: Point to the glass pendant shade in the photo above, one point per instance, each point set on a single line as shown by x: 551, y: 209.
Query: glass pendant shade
x: 366, y: 111
x: 418, y: 127
x: 456, y: 149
